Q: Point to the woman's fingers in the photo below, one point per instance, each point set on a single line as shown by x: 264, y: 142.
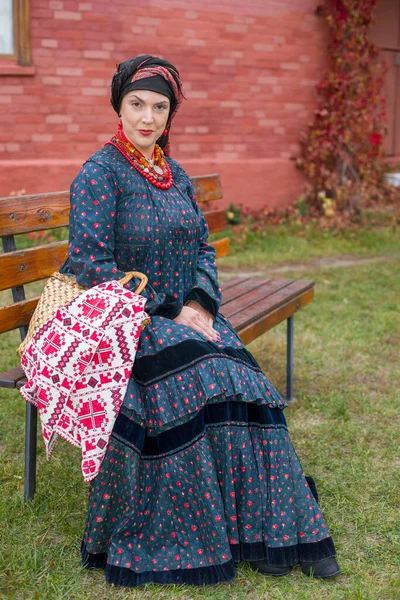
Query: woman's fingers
x: 206, y: 329
x: 190, y: 317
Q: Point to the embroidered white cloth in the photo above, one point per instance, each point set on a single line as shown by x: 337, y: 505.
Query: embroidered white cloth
x: 78, y: 367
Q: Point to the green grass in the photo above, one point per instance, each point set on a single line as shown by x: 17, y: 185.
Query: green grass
x: 344, y: 426
x: 296, y: 243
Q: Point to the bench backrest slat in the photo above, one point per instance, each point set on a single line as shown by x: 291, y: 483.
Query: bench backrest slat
x: 23, y: 214
x: 24, y: 266
x: 207, y: 188
x: 36, y: 212
x: 17, y: 315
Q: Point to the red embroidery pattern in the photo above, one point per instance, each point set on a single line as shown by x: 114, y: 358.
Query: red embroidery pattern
x: 78, y: 367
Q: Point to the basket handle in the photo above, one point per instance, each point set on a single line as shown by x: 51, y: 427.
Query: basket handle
x: 130, y: 274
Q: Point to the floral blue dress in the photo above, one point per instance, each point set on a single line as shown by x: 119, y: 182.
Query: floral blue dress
x: 200, y: 472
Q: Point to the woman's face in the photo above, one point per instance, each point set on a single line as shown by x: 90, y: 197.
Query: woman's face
x: 144, y: 115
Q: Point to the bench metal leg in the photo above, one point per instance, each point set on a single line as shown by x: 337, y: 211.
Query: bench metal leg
x: 30, y: 451
x: 289, y: 358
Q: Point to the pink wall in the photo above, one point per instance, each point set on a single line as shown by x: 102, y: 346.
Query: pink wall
x: 249, y: 71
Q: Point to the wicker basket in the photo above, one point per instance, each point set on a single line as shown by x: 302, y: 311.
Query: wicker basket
x: 59, y: 290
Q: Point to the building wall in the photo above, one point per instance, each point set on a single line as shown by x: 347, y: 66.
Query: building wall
x: 249, y: 72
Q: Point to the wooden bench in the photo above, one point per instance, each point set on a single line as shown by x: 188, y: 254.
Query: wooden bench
x: 253, y: 305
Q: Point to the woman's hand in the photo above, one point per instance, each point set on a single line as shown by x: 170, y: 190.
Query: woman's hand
x: 195, y: 316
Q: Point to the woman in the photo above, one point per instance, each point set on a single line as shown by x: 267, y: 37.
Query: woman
x: 200, y: 472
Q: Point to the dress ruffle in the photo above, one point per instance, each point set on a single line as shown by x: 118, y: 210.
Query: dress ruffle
x: 181, y: 394
x: 230, y: 489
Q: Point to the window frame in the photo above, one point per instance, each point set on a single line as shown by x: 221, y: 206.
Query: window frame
x: 22, y: 55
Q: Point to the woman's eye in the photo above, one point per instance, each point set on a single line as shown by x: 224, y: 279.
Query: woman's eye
x: 161, y: 107
x: 136, y: 104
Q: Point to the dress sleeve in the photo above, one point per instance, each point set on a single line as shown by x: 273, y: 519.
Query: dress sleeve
x: 206, y: 290
x: 91, y: 247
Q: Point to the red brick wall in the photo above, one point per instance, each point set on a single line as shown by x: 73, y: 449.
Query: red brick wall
x: 249, y: 71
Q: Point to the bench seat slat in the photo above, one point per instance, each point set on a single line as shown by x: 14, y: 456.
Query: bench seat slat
x: 10, y: 379
x: 232, y: 281
x: 32, y: 264
x: 241, y: 295
x: 266, y: 305
x: 270, y: 288
x: 250, y: 323
x: 264, y: 323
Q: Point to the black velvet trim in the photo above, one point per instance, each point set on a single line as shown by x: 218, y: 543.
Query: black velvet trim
x: 204, y: 299
x: 169, y: 308
x: 284, y: 556
x: 93, y: 561
x: 152, y: 368
x: 200, y: 576
x: 313, y: 487
x: 211, y: 414
x: 276, y: 557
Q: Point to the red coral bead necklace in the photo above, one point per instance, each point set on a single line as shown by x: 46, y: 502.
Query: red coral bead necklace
x: 156, y: 169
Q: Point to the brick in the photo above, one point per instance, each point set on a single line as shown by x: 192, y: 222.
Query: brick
x: 191, y: 14
x: 99, y: 82
x: 293, y: 106
x: 67, y: 15
x: 42, y: 137
x: 290, y: 66
x: 268, y: 80
x: 73, y: 128
x: 96, y: 54
x: 264, y: 47
x: 56, y: 5
x: 236, y: 28
x: 268, y: 122
x: 50, y: 43
x: 224, y: 62
x: 12, y: 89
x: 197, y: 95
x: 230, y: 104
x: 308, y: 82
x: 189, y: 147
x: 95, y: 91
x: 58, y: 119
x: 13, y: 147
x: 69, y: 71
x: 195, y: 42
x: 149, y: 21
x: 85, y: 6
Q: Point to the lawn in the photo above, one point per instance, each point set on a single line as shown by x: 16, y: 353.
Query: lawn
x: 344, y: 425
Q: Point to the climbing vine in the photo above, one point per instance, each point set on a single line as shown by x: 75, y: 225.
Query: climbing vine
x: 341, y: 153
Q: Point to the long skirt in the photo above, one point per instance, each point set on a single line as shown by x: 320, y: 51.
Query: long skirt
x: 200, y: 472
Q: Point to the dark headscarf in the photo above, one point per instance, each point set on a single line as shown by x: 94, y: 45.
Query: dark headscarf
x: 148, y: 73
